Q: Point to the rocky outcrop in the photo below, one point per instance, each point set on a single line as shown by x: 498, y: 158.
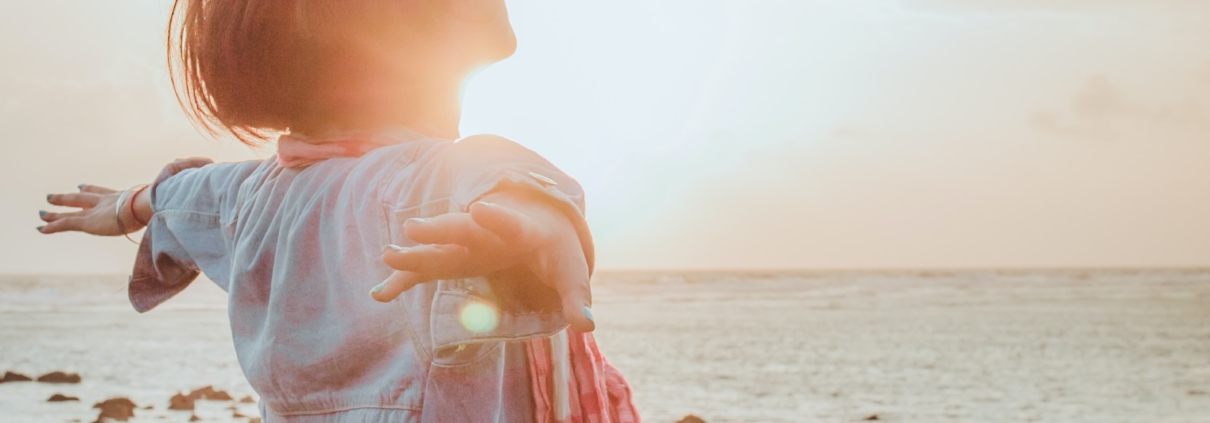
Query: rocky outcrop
x: 15, y: 377
x: 180, y: 402
x: 120, y: 409
x: 59, y: 377
x: 692, y: 419
x: 61, y: 398
x: 209, y: 393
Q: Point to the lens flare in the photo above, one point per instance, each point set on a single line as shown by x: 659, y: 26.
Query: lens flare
x: 478, y: 317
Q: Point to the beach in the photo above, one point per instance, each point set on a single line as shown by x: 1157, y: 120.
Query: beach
x: 828, y: 346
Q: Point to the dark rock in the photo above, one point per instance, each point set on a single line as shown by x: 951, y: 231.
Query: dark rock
x: 1196, y: 392
x: 61, y: 398
x: 199, y: 393
x: 194, y: 418
x: 15, y: 377
x: 59, y: 377
x: 120, y: 409
x: 692, y: 419
x: 872, y: 417
x: 209, y: 393
x: 248, y: 400
x: 148, y: 407
x: 237, y: 414
x: 180, y: 402
x: 254, y: 420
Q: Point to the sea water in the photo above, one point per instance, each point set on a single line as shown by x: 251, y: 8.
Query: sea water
x: 826, y: 346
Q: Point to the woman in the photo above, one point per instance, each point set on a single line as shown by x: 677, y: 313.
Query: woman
x: 475, y: 253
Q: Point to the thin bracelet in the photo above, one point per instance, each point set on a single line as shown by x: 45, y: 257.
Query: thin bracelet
x: 117, y: 214
x: 134, y: 197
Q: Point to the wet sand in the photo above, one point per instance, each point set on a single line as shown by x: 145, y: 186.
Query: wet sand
x: 972, y: 346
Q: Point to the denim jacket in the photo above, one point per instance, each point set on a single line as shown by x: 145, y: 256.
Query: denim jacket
x: 297, y: 250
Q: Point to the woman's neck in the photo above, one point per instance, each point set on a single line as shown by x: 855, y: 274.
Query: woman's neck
x: 435, y: 116
x: 433, y: 109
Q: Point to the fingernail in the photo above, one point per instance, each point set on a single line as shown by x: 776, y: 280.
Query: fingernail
x: 397, y: 248
x: 40, y: 228
x: 416, y: 220
x: 41, y: 213
x: 376, y: 289
x: 48, y: 196
x: 588, y: 314
x: 81, y: 186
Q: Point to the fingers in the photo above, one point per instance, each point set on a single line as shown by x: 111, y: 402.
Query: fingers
x: 62, y: 225
x: 82, y: 200
x: 52, y: 216
x: 93, y: 189
x: 394, y: 285
x: 569, y: 276
x: 451, y: 228
x: 431, y: 262
x: 511, y: 226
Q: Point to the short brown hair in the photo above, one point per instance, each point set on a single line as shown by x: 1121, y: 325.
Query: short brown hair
x: 254, y: 68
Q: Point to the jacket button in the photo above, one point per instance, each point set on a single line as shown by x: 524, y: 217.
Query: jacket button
x: 543, y: 179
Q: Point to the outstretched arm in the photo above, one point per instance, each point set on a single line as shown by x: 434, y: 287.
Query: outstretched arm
x: 520, y: 221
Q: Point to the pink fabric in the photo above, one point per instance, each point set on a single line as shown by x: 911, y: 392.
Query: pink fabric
x: 296, y: 151
x: 598, y: 392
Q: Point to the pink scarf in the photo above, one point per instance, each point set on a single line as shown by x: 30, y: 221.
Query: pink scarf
x: 573, y: 383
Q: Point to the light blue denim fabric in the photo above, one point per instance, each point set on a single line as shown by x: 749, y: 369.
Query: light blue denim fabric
x: 298, y: 251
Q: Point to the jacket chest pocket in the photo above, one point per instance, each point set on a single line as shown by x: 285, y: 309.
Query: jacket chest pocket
x: 464, y: 323
x: 432, y: 309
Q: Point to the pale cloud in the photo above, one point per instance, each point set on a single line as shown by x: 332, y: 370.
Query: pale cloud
x: 1102, y: 110
x: 875, y: 199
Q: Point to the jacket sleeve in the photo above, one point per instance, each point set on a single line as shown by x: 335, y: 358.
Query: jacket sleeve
x: 193, y: 201
x: 485, y: 164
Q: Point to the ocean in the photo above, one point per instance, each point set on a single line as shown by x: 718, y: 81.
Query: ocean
x: 820, y: 346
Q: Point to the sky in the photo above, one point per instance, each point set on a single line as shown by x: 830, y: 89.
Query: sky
x: 715, y: 134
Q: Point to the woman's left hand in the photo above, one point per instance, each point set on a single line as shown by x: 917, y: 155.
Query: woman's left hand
x: 500, y: 232
x: 96, y: 215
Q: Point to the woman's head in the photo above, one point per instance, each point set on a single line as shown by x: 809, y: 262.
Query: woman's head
x: 256, y: 67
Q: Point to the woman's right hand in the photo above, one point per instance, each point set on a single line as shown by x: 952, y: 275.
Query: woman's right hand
x: 96, y: 214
